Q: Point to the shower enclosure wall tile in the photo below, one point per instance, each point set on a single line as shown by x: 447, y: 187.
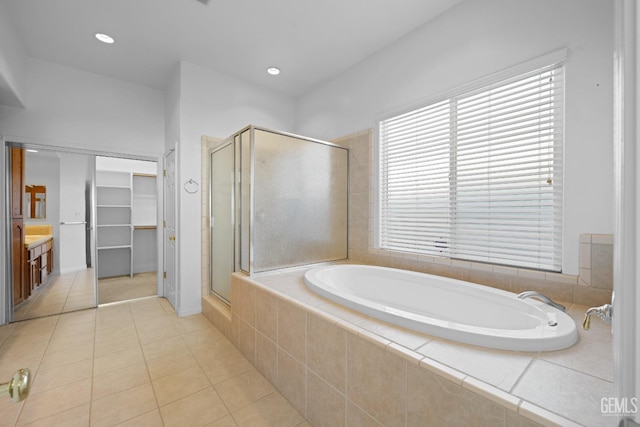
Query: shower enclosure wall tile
x: 358, y: 179
x: 358, y: 146
x: 357, y: 237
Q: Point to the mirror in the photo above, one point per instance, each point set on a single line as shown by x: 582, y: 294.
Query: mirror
x: 35, y: 197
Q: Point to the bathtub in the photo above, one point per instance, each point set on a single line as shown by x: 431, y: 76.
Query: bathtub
x: 445, y: 308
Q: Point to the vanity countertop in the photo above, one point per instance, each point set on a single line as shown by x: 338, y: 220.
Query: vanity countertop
x: 33, y: 240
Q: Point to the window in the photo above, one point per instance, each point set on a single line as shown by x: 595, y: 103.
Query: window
x: 477, y: 176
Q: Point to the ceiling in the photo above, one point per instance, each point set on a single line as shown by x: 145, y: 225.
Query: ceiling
x: 310, y: 40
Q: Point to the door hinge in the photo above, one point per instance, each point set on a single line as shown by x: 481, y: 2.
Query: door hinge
x: 164, y: 223
x: 164, y: 172
x: 164, y: 275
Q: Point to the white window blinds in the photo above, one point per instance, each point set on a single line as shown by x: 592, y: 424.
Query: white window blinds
x: 478, y: 176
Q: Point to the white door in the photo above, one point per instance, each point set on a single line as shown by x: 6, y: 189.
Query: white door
x: 170, y: 261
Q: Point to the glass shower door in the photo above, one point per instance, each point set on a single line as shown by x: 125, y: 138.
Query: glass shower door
x: 222, y: 220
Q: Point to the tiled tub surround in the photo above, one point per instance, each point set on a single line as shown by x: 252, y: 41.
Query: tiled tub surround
x: 338, y: 367
x: 596, y: 261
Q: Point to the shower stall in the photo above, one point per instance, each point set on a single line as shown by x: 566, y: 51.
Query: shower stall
x: 276, y: 201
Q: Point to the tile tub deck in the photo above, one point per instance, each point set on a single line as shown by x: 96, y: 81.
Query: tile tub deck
x: 320, y: 356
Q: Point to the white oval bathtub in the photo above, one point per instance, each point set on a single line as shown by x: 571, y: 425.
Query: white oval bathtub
x: 446, y: 308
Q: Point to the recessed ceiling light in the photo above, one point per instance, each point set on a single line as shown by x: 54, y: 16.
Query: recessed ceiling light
x: 104, y: 38
x: 274, y: 71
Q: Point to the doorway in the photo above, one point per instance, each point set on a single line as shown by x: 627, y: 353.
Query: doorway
x: 58, y: 185
x: 126, y: 224
x: 52, y: 268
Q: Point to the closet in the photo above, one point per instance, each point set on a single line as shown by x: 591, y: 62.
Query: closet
x: 126, y: 217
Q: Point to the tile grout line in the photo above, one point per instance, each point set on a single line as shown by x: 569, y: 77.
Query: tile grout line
x: 213, y: 386
x: 20, y: 412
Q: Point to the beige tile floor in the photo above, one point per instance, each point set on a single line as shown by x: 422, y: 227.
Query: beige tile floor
x: 124, y: 288
x: 135, y: 364
x: 60, y: 294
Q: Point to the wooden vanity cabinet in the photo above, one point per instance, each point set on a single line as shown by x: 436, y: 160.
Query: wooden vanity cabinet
x: 20, y: 291
x: 19, y: 270
x: 17, y: 183
x: 39, y: 264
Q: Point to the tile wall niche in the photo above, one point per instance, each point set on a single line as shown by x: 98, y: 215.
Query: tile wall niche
x: 591, y: 288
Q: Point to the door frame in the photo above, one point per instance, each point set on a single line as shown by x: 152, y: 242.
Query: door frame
x: 626, y: 333
x: 165, y: 235
x: 6, y: 293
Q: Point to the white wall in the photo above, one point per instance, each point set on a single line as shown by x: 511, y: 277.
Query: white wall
x: 213, y: 104
x: 13, y: 64
x: 477, y: 38
x: 172, y: 111
x: 73, y: 176
x: 126, y: 165
x: 72, y: 108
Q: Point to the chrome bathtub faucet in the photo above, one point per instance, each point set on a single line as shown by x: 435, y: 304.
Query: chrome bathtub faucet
x: 543, y: 298
x: 604, y: 312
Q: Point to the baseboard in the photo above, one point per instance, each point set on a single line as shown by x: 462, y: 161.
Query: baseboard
x: 189, y: 311
x: 73, y: 269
